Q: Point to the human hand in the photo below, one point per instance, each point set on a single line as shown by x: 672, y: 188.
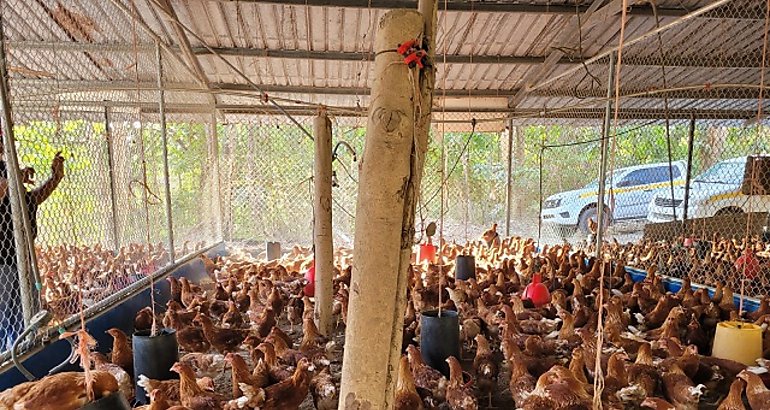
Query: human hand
x: 57, y: 165
x: 28, y: 175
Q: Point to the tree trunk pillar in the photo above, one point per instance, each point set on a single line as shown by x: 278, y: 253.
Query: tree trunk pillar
x: 386, y: 171
x: 323, y: 238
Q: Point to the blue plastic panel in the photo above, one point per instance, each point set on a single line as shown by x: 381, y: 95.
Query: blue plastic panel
x: 120, y: 316
x: 674, y: 285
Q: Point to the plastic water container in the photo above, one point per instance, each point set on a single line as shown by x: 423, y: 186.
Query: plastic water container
x: 310, y: 278
x: 426, y: 253
x: 537, y: 292
x: 751, y: 264
x: 738, y: 341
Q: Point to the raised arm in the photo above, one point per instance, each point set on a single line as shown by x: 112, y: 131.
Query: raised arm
x: 42, y: 192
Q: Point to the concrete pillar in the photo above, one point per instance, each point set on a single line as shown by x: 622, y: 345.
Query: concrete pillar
x: 323, y: 237
x: 386, y: 181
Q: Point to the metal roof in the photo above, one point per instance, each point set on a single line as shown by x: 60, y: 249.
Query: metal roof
x: 320, y: 52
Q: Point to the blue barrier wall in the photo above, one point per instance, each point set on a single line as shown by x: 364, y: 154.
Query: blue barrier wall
x: 120, y: 316
x: 674, y: 285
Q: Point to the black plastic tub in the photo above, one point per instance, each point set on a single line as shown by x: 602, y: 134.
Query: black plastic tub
x: 115, y: 401
x: 465, y: 267
x: 153, y: 358
x: 439, y: 338
x: 273, y: 250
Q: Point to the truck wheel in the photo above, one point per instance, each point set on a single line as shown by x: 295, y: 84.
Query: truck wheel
x: 730, y: 210
x: 590, y: 213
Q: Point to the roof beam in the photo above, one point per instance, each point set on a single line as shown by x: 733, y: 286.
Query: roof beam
x: 184, y: 43
x: 592, y: 16
x: 713, y: 92
x: 519, y: 114
x: 476, y: 6
x: 747, y: 61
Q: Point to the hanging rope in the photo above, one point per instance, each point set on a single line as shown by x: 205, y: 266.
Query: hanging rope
x: 598, y: 372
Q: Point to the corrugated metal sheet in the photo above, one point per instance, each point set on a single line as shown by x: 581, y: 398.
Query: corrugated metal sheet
x: 720, y: 49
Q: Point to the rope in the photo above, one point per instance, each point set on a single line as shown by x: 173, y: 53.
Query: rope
x: 598, y: 374
x: 442, y: 186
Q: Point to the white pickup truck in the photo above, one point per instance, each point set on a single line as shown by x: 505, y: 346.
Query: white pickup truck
x: 632, y: 189
x: 717, y: 191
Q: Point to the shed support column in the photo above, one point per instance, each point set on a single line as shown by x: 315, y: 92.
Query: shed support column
x: 323, y: 238
x: 378, y: 284
x: 600, y: 223
x: 164, y: 149
x: 425, y: 80
x: 518, y: 158
x: 111, y: 170
x: 216, y: 181
x: 29, y: 278
x: 508, y: 178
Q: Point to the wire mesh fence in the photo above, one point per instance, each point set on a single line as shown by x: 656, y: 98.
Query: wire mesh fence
x: 91, y: 159
x: 684, y: 121
x: 679, y: 134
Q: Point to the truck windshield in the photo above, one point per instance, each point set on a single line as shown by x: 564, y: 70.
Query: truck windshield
x: 595, y: 183
x: 723, y: 173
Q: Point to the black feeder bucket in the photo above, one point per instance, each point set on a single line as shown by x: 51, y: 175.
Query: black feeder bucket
x: 465, y: 267
x: 439, y: 338
x: 154, y: 357
x: 273, y: 250
x: 115, y: 401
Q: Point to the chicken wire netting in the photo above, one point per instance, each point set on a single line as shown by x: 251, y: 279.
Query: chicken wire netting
x: 99, y: 226
x: 267, y: 179
x: 680, y: 198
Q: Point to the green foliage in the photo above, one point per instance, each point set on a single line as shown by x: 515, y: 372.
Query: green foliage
x: 266, y: 174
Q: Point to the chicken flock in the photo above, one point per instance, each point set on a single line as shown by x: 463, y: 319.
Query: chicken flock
x: 94, y: 273
x: 249, y: 341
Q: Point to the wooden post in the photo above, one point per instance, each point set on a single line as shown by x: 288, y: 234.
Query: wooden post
x: 387, y: 182
x: 688, y: 177
x: 600, y: 222
x: 508, y: 181
x: 216, y: 180
x: 518, y: 158
x: 323, y: 238
x: 111, y: 171
x: 164, y: 150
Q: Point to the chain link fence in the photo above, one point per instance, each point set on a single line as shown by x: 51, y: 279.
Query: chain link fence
x: 678, y: 137
x: 99, y: 222
x: 685, y: 122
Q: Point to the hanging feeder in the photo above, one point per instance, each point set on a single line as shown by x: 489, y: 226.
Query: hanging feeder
x: 115, y: 401
x: 439, y: 338
x: 465, y: 267
x: 273, y: 250
x: 310, y: 278
x: 153, y: 357
x: 427, y: 251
